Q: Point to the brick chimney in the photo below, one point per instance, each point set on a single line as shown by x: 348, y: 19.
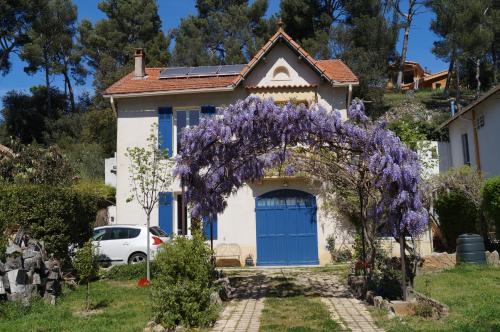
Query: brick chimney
x: 140, y: 63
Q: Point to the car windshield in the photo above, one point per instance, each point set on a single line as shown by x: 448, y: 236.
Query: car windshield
x: 158, y: 231
x: 98, y: 234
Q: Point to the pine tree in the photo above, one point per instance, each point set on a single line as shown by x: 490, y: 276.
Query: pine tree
x: 108, y: 46
x: 223, y: 32
x: 16, y: 18
x: 51, y: 46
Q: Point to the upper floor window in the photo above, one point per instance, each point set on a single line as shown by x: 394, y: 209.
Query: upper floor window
x: 185, y: 119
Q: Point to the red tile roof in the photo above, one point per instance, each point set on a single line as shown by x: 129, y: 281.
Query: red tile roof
x: 152, y: 83
x: 334, y: 71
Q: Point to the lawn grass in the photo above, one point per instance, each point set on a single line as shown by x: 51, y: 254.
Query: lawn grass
x: 471, y: 292
x: 296, y: 314
x: 125, y: 307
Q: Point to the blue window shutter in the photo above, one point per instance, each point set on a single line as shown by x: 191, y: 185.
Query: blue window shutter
x: 208, y: 110
x: 165, y: 126
x: 166, y: 212
x: 206, y: 227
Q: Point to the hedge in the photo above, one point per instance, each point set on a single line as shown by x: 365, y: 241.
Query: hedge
x: 58, y: 215
x: 457, y: 215
x: 491, y: 201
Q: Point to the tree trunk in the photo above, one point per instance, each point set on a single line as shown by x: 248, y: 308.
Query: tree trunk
x: 405, y: 47
x: 457, y: 95
x: 495, y: 63
x: 148, y: 250
x: 403, y: 266
x: 362, y: 220
x: 446, y: 91
x: 478, y: 77
x: 87, y: 296
x: 47, y: 83
x: 70, y: 89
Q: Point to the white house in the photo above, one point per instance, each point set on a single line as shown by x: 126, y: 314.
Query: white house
x: 279, y: 221
x: 474, y: 133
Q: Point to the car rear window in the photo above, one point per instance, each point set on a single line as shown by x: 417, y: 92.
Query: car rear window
x: 158, y: 231
x: 133, y: 232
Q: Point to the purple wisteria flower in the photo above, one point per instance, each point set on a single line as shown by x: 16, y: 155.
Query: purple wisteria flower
x: 244, y: 139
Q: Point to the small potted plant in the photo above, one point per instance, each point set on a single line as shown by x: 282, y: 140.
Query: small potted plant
x: 249, y: 260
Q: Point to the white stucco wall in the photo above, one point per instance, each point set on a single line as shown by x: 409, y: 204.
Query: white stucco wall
x: 488, y: 136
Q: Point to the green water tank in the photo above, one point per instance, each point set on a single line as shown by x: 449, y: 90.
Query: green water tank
x: 470, y: 249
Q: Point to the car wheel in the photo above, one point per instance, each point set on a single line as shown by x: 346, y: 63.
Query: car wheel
x: 137, y: 257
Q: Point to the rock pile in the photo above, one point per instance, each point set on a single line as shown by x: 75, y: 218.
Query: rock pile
x: 27, y: 272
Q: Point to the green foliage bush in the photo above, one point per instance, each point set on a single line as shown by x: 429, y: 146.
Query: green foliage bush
x: 457, y: 215
x: 58, y: 215
x: 129, y: 271
x: 183, y: 285
x: 86, y: 265
x: 491, y: 201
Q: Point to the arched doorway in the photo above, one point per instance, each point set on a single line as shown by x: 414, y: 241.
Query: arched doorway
x: 286, y: 228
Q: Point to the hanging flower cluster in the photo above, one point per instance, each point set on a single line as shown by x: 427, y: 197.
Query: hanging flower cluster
x: 244, y: 139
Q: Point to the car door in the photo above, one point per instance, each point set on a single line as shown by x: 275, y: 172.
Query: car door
x: 113, y: 245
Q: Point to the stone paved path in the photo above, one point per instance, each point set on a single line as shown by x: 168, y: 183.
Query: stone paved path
x: 240, y: 315
x: 351, y: 314
x: 244, y: 312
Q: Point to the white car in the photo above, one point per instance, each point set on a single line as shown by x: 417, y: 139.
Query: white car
x: 122, y: 244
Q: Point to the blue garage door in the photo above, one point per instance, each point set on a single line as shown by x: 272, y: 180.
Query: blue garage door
x: 286, y: 228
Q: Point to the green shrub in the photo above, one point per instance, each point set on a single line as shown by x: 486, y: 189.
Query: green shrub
x: 129, y: 271
x: 457, y: 215
x: 57, y: 215
x: 86, y: 265
x: 491, y: 201
x: 183, y: 285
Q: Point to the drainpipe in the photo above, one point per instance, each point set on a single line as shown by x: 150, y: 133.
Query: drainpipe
x: 476, y: 141
x: 349, y: 96
x: 452, y: 107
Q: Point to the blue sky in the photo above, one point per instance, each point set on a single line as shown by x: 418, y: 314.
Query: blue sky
x: 171, y: 12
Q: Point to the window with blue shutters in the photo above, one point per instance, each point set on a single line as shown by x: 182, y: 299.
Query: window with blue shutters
x: 165, y: 127
x: 210, y: 224
x: 166, y: 212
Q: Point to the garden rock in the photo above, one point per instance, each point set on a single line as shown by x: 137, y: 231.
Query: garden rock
x: 25, y: 274
x: 402, y: 308
x: 215, y: 298
x: 492, y: 258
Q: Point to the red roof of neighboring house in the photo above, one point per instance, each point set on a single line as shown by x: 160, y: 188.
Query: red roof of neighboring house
x: 335, y: 71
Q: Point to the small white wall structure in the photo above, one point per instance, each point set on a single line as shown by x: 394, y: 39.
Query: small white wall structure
x: 110, y: 171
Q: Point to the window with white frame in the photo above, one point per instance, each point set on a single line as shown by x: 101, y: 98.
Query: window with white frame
x: 185, y: 119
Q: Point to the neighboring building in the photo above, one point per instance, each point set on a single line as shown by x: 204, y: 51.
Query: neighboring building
x: 415, y: 77
x: 474, y: 133
x: 110, y: 171
x: 279, y: 221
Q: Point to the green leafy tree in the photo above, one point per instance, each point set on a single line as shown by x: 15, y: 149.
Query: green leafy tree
x: 51, y: 47
x: 16, y: 18
x: 311, y: 23
x: 26, y: 116
x: 464, y: 32
x: 491, y: 201
x: 86, y: 265
x: 366, y: 42
x: 108, y: 46
x: 150, y: 174
x: 225, y: 32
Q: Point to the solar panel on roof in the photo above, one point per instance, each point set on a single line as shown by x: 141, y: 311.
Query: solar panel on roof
x: 201, y: 71
x: 230, y: 69
x: 204, y: 70
x: 175, y: 72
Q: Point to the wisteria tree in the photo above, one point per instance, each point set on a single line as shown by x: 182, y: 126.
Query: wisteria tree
x: 252, y: 135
